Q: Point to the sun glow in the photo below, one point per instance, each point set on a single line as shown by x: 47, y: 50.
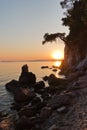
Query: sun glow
x: 57, y: 55
x: 57, y: 63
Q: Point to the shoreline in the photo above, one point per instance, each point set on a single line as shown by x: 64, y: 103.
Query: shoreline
x: 62, y: 106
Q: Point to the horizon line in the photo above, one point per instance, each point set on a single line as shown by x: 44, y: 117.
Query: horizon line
x: 34, y: 60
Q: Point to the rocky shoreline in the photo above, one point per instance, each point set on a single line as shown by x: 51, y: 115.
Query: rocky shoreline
x: 60, y: 106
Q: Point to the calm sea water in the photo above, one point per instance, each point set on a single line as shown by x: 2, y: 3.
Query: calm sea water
x: 12, y: 70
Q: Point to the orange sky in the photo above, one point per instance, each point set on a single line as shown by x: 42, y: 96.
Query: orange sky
x: 44, y: 52
x: 22, y: 26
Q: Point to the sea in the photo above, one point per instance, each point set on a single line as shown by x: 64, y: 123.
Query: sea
x: 12, y: 70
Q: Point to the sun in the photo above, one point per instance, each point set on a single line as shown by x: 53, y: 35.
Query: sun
x: 57, y: 55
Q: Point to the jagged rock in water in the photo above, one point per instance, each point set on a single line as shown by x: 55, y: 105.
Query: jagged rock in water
x: 26, y: 77
x: 12, y: 86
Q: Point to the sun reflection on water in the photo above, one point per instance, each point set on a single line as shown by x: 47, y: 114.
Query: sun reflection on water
x: 56, y: 66
x: 57, y: 63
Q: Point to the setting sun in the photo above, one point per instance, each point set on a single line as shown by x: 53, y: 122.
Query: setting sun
x: 57, y: 55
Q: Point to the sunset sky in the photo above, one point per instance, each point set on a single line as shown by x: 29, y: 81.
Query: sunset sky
x: 22, y: 26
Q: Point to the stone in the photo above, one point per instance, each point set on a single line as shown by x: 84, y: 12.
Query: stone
x: 59, y: 101
x: 53, y: 127
x: 12, y: 86
x: 75, y: 75
x: 45, y: 78
x: 54, y: 70
x: 45, y: 113
x: 23, y: 95
x: 53, y: 80
x: 26, y: 77
x: 39, y: 85
x: 26, y: 123
x: 82, y: 65
x: 25, y: 68
x: 35, y: 101
x: 27, y: 112
x: 44, y: 67
x: 23, y: 123
x: 61, y: 109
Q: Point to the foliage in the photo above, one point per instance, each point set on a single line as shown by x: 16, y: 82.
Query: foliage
x: 76, y: 19
x: 52, y: 37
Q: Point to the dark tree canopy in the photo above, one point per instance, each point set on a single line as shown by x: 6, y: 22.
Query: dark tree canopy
x: 52, y: 37
x: 76, y: 20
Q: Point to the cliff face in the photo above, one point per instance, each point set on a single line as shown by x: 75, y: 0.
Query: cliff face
x: 73, y: 55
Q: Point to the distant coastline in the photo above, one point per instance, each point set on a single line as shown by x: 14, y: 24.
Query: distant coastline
x: 35, y: 60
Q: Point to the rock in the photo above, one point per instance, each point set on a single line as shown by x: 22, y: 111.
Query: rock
x: 7, y: 124
x: 54, y: 70
x: 45, y: 78
x: 44, y: 67
x: 26, y: 77
x: 45, y: 113
x: 27, y: 112
x: 35, y: 101
x: 45, y: 96
x: 53, y: 127
x: 37, y: 104
x: 23, y: 95
x: 59, y: 101
x: 75, y: 75
x: 62, y: 109
x: 82, y: 65
x: 28, y: 124
x: 53, y: 80
x: 39, y: 85
x: 25, y: 68
x: 83, y: 78
x: 2, y: 115
x: 12, y: 85
x: 81, y: 82
x: 16, y: 106
x: 24, y: 123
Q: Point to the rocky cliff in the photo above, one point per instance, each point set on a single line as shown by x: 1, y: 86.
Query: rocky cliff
x: 73, y: 55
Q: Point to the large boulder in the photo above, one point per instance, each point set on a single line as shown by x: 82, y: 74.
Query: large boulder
x: 27, y: 112
x: 23, y: 95
x: 39, y: 86
x: 75, y: 75
x: 53, y: 80
x: 27, y: 123
x: 26, y: 77
x: 12, y: 86
x: 59, y: 101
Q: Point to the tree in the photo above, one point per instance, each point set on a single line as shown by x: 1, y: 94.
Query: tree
x: 75, y: 19
x: 52, y: 37
x: 76, y: 41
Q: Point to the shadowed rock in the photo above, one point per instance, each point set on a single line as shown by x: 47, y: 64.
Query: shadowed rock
x: 23, y: 95
x: 12, y: 85
x: 53, y: 80
x: 26, y: 77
